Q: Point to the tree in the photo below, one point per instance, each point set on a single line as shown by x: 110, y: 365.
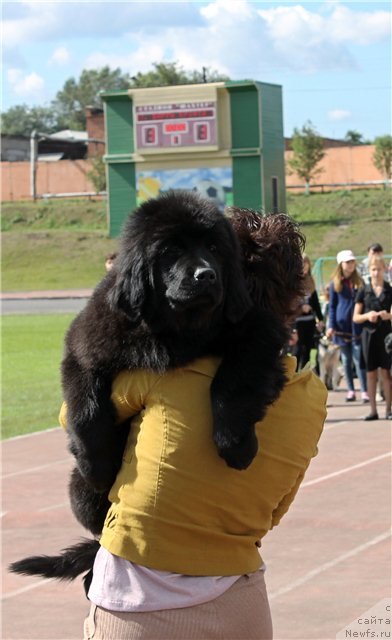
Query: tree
x: 21, y: 120
x: 169, y: 74
x: 67, y: 110
x: 382, y: 156
x: 97, y: 174
x: 308, y: 151
x: 354, y: 137
x: 76, y: 95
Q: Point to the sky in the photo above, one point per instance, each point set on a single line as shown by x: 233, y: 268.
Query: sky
x: 332, y: 58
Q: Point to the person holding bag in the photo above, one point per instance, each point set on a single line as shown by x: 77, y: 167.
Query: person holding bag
x: 343, y: 289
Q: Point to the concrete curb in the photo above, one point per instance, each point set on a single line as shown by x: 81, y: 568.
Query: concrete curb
x: 46, y: 295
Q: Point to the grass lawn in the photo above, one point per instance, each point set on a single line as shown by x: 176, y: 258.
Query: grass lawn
x: 62, y: 244
x: 32, y: 347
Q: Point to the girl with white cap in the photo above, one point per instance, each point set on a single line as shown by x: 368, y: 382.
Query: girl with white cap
x: 345, y: 332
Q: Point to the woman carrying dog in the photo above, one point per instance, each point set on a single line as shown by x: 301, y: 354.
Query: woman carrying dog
x: 343, y: 289
x: 179, y: 555
x: 309, y: 312
x: 373, y: 310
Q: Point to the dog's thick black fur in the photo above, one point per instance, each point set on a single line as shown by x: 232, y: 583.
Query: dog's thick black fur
x: 177, y: 292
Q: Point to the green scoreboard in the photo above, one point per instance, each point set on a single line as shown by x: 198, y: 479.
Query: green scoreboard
x: 222, y: 139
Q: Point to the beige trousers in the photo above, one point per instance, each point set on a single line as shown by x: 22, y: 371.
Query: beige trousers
x: 241, y: 613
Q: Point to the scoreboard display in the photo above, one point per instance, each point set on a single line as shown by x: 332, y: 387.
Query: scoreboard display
x: 163, y: 126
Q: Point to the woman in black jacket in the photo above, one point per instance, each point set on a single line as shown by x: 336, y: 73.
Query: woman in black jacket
x: 309, y: 315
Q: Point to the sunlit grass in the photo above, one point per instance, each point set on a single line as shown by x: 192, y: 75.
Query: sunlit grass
x: 32, y: 348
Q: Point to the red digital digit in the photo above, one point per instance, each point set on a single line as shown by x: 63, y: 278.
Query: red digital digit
x: 202, y: 132
x: 150, y: 135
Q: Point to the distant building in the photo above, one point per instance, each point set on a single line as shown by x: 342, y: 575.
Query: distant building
x: 62, y: 145
x: 14, y: 148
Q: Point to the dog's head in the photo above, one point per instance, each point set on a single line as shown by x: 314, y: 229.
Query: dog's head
x: 324, y: 342
x: 179, y: 265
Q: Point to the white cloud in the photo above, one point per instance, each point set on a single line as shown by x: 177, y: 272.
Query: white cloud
x: 26, y: 86
x: 235, y: 37
x: 359, y: 27
x: 310, y: 41
x: 61, y: 56
x: 339, y: 114
x: 342, y: 25
x: 45, y: 20
x: 38, y: 20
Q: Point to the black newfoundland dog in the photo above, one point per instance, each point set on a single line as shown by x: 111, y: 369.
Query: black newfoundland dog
x: 177, y: 291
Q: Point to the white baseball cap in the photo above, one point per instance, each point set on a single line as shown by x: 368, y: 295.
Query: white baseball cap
x: 345, y: 256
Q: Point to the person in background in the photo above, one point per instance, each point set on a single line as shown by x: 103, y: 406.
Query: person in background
x: 343, y: 289
x: 373, y: 310
x: 109, y: 260
x: 309, y: 315
x: 374, y: 249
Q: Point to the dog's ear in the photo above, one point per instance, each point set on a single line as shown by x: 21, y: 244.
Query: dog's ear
x: 130, y: 289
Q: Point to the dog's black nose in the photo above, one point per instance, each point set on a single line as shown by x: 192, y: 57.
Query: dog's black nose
x: 205, y: 274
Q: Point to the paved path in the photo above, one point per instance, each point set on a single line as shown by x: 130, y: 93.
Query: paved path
x: 37, y: 302
x: 327, y: 563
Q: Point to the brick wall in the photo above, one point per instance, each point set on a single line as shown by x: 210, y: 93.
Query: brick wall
x: 95, y: 125
x: 341, y: 165
x: 65, y: 176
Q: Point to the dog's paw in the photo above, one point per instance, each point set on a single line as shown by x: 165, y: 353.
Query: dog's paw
x: 238, y: 452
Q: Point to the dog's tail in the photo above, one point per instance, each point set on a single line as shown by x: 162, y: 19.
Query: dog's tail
x: 69, y: 564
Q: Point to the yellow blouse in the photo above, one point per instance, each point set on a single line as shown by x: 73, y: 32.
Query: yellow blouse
x: 176, y: 505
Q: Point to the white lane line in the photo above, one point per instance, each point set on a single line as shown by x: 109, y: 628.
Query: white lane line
x: 30, y: 435
x: 34, y: 469
x: 328, y: 427
x: 60, y: 505
x: 329, y: 565
x: 346, y: 470
x: 30, y: 587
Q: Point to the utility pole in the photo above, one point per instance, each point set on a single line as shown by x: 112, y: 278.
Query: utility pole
x: 33, y: 164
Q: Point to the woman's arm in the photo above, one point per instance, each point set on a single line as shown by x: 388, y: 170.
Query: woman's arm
x: 370, y: 316
x: 315, y: 304
x: 333, y: 301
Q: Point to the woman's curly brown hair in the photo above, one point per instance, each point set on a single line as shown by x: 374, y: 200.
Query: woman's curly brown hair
x: 272, y: 247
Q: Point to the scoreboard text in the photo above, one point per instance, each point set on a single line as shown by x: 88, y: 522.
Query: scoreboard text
x: 189, y: 124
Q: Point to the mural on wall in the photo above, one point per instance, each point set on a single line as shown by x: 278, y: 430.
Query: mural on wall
x: 211, y: 182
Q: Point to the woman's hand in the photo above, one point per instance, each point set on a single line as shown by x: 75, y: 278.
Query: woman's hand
x: 330, y: 332
x: 373, y: 316
x: 384, y: 315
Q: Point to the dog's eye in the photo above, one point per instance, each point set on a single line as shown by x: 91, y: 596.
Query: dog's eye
x: 212, y: 248
x: 173, y: 251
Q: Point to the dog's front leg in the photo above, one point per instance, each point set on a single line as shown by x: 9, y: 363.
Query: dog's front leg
x: 95, y: 439
x: 250, y: 377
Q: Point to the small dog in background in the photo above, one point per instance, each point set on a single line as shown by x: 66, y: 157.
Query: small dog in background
x: 329, y: 363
